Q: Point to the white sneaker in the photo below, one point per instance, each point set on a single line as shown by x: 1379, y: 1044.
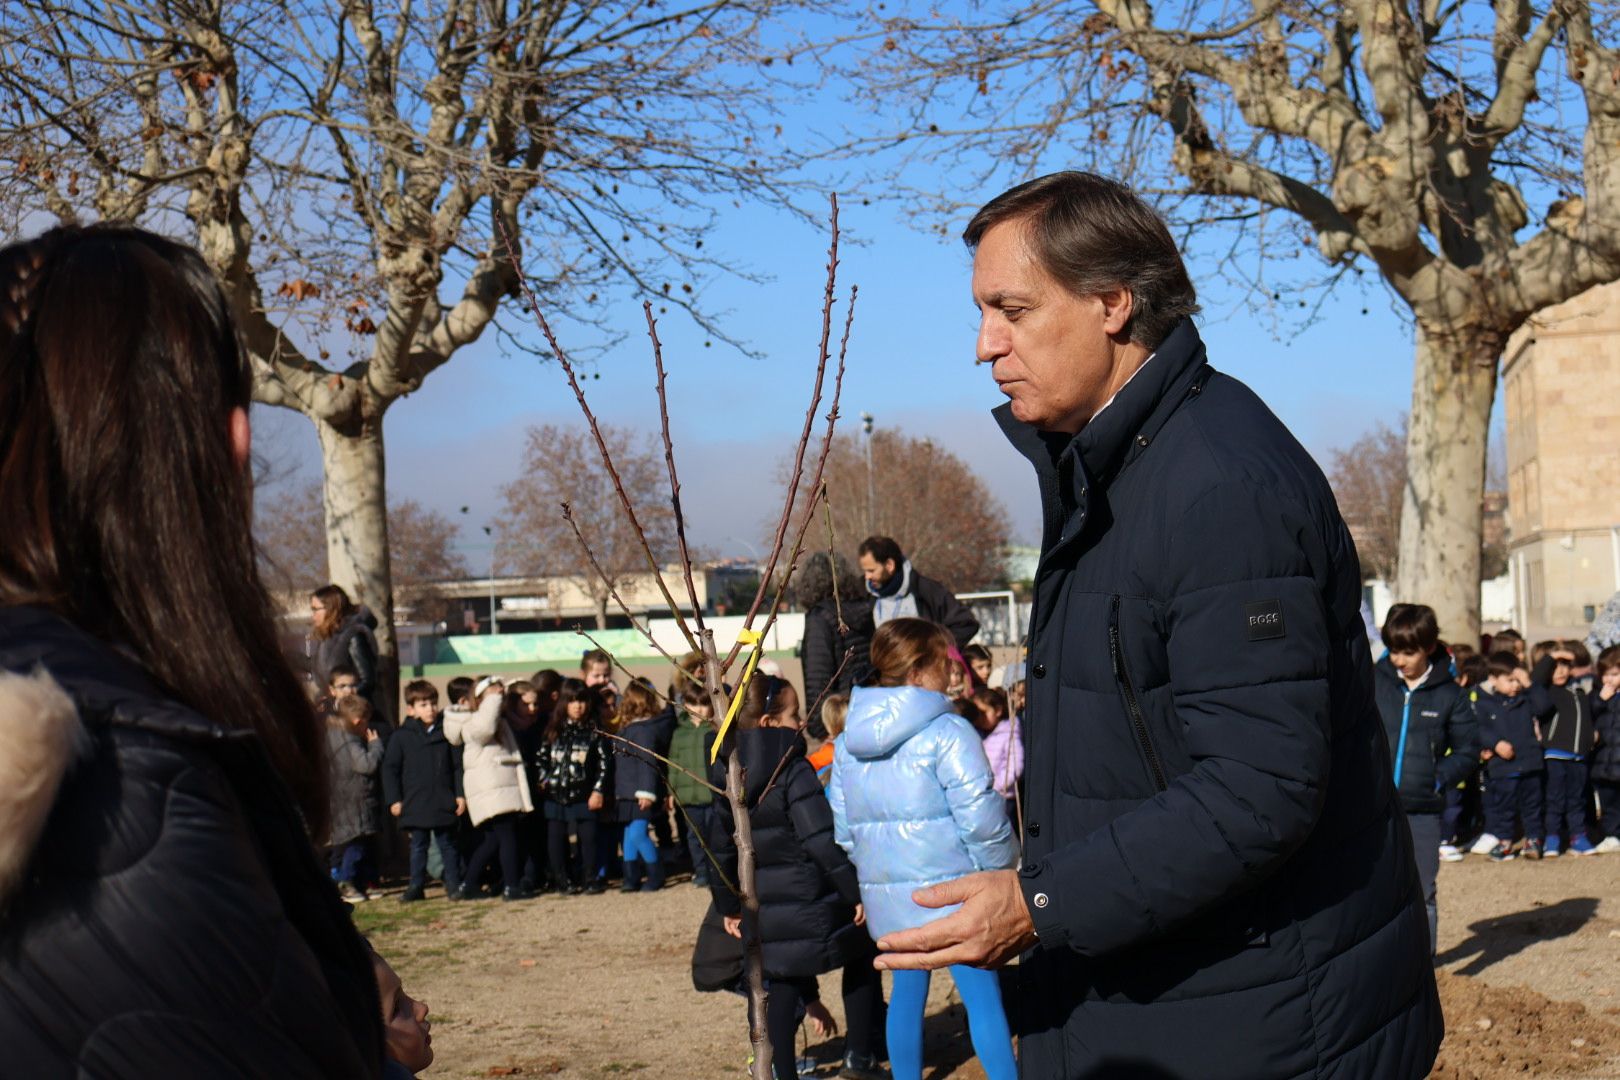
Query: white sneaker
x: 1609, y: 846
x: 1449, y: 853
x: 1484, y: 844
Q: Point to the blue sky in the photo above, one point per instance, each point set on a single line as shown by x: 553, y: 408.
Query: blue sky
x: 456, y: 441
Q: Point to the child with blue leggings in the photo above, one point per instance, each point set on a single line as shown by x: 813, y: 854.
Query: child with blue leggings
x: 636, y: 784
x: 914, y: 803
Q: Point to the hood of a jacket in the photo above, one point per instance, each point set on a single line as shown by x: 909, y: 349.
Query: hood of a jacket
x: 365, y: 617
x: 766, y: 753
x: 882, y: 717
x: 1439, y: 671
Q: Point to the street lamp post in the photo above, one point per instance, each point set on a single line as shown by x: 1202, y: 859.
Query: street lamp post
x: 871, y: 488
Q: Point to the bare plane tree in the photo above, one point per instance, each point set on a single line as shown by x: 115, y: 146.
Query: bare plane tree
x: 1405, y: 138
x: 347, y: 167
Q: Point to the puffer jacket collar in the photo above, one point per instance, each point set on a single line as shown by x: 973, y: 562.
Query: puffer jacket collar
x: 882, y: 718
x: 1068, y: 465
x: 43, y: 732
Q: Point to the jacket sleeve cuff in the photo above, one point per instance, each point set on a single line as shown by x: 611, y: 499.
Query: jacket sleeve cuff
x: 1047, y: 902
x: 646, y: 795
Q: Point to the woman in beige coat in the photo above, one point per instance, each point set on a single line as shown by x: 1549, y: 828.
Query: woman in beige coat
x: 497, y: 790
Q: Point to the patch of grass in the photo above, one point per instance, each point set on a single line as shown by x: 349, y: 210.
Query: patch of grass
x: 623, y: 1067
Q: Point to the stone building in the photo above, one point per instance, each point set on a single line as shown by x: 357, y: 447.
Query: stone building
x: 1561, y: 390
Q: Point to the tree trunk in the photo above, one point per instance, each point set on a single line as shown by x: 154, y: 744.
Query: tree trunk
x: 601, y: 612
x: 357, y: 556
x: 1442, y: 508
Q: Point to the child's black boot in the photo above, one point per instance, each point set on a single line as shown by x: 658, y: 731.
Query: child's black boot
x: 632, y: 875
x: 655, y: 876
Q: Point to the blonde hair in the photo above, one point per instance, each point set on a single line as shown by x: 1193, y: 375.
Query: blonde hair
x: 638, y: 702
x: 834, y: 711
x: 902, y: 647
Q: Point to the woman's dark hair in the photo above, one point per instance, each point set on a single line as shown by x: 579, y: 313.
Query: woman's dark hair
x: 338, y: 603
x: 1411, y: 628
x: 823, y: 574
x: 573, y: 690
x: 974, y: 652
x: 1093, y: 234
x: 127, y: 511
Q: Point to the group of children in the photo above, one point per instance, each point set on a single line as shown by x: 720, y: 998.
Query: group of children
x: 1499, y: 753
x: 544, y: 781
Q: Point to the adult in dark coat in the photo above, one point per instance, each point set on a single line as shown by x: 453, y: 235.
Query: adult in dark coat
x: 1217, y: 881
x: 835, y: 626
x: 897, y: 590
x: 344, y: 633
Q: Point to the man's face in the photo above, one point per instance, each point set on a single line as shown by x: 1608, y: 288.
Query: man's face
x: 1051, y: 351
x: 344, y: 686
x: 1409, y: 662
x: 878, y: 573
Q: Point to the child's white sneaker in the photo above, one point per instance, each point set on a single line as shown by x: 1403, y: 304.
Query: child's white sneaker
x: 1484, y: 844
x: 1450, y: 853
x: 1609, y: 846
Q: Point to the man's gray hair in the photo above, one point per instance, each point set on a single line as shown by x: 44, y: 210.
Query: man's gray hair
x: 1094, y: 235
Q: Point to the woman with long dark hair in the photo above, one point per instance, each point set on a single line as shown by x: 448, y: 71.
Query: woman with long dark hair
x: 343, y: 632
x: 161, y: 769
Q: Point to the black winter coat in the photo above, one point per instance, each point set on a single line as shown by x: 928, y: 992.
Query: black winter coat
x: 1216, y: 862
x: 1570, y: 728
x: 807, y: 886
x: 823, y: 651
x: 635, y: 772
x: 422, y: 771
x: 1433, y: 737
x: 574, y: 764
x: 1513, y: 720
x: 1606, y: 758
x: 172, y: 920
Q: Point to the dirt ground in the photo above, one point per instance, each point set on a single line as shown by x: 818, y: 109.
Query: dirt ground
x: 576, y: 987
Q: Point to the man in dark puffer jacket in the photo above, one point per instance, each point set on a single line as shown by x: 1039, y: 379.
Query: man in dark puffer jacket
x: 1217, y: 881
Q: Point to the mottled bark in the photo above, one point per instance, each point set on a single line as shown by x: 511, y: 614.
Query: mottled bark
x: 1442, y: 508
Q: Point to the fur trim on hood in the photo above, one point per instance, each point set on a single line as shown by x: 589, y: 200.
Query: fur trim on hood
x: 40, y: 734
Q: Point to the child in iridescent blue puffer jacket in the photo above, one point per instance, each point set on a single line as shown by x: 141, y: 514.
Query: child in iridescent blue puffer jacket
x: 914, y: 804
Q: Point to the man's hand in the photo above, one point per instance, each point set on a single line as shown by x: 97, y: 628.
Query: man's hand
x: 992, y: 926
x: 461, y: 806
x: 594, y: 803
x: 396, y: 809
x: 1504, y: 750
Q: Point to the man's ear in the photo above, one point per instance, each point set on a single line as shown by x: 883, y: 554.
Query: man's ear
x: 241, y: 435
x: 1118, y: 307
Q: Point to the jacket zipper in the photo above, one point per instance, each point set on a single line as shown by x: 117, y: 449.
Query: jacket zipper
x: 1132, y: 707
x: 1400, y: 742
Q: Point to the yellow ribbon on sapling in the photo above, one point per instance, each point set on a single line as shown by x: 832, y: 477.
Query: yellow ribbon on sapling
x: 745, y: 637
